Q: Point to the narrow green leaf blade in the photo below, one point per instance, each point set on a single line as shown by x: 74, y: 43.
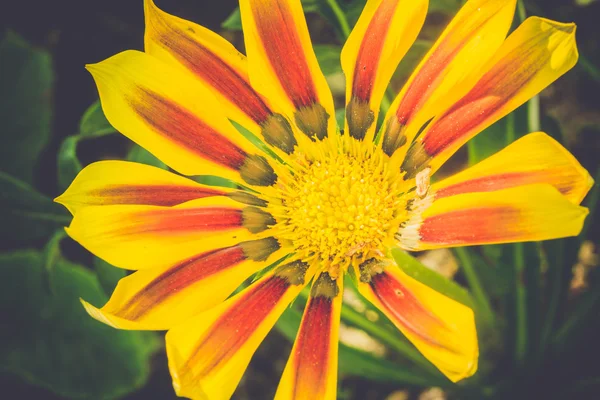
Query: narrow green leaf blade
x: 26, y: 214
x: 418, y: 271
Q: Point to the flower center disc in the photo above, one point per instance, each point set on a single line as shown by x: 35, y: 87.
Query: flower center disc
x: 340, y: 207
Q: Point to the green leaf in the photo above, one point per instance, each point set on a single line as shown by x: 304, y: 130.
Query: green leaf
x: 408, y: 64
x: 356, y: 362
x: 26, y: 80
x: 328, y: 56
x: 27, y: 215
x: 140, y: 155
x: 108, y: 275
x: 93, y: 124
x: 234, y: 21
x: 488, y: 142
x: 212, y: 180
x: 483, y: 306
x: 588, y: 66
x: 50, y: 341
x: 340, y: 115
x: 67, y: 162
x: 499, y: 135
x: 336, y: 15
x: 418, y: 271
x: 449, y: 7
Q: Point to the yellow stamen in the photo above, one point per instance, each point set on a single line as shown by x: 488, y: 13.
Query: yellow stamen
x: 342, y: 206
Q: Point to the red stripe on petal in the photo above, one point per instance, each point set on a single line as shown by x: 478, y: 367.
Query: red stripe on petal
x: 498, y: 182
x: 276, y: 27
x: 405, y: 307
x: 178, y: 278
x: 158, y: 195
x: 312, y: 349
x: 430, y: 72
x: 184, y: 128
x: 459, y: 120
x: 182, y: 220
x: 474, y: 225
x: 423, y: 83
x: 218, y: 74
x: 492, y: 91
x: 368, y: 58
x: 235, y: 327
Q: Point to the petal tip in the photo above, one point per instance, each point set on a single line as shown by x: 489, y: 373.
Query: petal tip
x: 96, y: 313
x: 63, y: 200
x: 589, y: 180
x: 60, y: 199
x: 92, y: 67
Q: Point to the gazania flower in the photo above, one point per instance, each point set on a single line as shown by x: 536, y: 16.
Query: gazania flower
x: 315, y: 201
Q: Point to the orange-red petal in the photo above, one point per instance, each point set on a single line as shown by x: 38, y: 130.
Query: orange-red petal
x: 311, y: 371
x: 141, y: 236
x: 123, y: 182
x: 283, y: 66
x: 209, y: 354
x: 518, y: 214
x: 219, y: 66
x: 441, y: 328
x: 535, y: 158
x: 172, y: 115
x: 449, y: 69
x: 531, y: 58
x: 383, y: 34
x: 159, y: 298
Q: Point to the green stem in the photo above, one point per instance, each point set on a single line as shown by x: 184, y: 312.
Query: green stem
x: 570, y: 253
x: 533, y: 114
x: 584, y: 307
x: 589, y: 67
x: 479, y: 294
x: 556, y: 257
x: 521, y: 12
x: 533, y: 106
x: 510, y: 129
x: 520, y: 306
x: 340, y: 16
x: 386, y: 101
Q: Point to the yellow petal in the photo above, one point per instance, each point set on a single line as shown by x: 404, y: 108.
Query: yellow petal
x: 283, y: 66
x: 175, y: 117
x: 536, y: 54
x: 311, y: 370
x: 441, y: 328
x: 381, y: 37
x: 160, y: 298
x: 139, y: 236
x: 209, y: 354
x: 123, y: 182
x: 218, y: 65
x: 535, y: 158
x: 449, y: 70
x: 518, y: 214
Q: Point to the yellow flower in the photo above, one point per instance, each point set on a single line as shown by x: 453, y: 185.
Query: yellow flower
x: 322, y: 201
